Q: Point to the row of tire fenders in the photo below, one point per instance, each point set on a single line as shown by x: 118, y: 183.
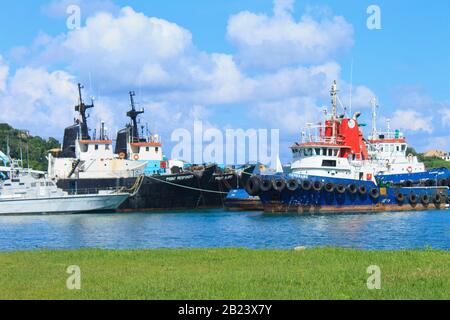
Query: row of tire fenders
x: 256, y: 186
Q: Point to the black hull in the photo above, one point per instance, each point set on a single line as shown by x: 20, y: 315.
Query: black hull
x: 184, y: 191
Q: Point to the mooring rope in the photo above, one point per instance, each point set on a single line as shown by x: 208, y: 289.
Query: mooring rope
x: 135, y: 188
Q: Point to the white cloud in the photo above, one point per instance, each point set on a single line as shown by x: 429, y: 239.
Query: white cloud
x: 178, y: 83
x: 131, y: 50
x: 35, y: 98
x: 412, y: 97
x: 445, y: 116
x: 438, y: 143
x: 412, y: 120
x: 289, y: 115
x: 283, y: 7
x: 278, y: 40
x: 360, y: 98
x: 4, y: 71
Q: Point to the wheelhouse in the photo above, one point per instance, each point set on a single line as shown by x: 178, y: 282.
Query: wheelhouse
x: 301, y: 152
x: 95, y: 149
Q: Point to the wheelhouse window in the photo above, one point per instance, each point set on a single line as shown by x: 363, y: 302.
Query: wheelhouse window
x: 329, y: 163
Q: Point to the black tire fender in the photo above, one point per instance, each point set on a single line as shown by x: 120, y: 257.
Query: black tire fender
x: 292, y: 185
x: 253, y: 186
x: 279, y: 184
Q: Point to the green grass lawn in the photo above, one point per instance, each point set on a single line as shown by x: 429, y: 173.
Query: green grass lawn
x: 225, y: 274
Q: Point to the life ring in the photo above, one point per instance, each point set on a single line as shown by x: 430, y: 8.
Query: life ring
x: 409, y: 169
x: 136, y: 157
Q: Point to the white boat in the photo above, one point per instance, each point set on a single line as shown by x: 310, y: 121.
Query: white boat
x: 25, y: 193
x: 388, y: 151
x: 83, y: 157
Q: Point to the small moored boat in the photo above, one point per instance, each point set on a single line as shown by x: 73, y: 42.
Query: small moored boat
x: 24, y: 193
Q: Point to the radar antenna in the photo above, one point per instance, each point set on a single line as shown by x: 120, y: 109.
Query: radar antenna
x: 81, y: 108
x: 133, y: 114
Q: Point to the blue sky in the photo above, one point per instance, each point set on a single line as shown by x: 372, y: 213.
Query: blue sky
x: 405, y: 64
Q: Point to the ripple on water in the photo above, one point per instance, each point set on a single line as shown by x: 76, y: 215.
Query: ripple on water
x: 217, y: 228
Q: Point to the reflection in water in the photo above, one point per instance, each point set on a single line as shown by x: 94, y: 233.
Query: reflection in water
x: 226, y: 229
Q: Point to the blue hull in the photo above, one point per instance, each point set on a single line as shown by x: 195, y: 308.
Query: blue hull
x: 436, y: 176
x: 374, y: 199
x: 240, y: 200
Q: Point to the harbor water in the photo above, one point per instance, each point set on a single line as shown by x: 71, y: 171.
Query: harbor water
x: 219, y: 228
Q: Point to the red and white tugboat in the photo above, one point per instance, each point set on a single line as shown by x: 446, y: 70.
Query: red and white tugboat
x: 332, y: 172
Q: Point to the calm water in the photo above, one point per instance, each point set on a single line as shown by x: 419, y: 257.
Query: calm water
x: 226, y: 229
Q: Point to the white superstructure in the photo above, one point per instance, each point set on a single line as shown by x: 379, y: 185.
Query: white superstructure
x: 93, y: 159
x: 388, y: 151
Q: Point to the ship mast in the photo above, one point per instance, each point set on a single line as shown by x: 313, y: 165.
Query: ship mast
x: 133, y: 114
x: 334, y: 110
x: 374, y: 117
x: 81, y: 108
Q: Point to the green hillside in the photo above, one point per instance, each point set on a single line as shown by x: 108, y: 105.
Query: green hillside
x: 36, y: 147
x: 430, y: 163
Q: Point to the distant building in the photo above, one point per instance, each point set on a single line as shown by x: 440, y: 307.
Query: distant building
x: 437, y: 154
